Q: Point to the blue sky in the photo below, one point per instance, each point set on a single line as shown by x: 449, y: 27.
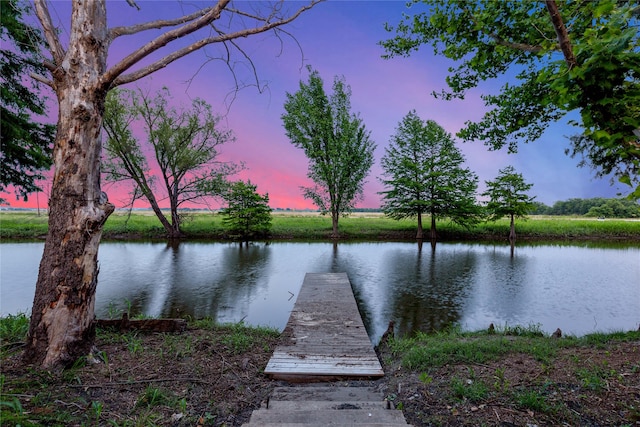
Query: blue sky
x: 340, y: 38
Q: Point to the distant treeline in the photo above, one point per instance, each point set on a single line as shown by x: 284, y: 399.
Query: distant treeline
x: 596, y: 207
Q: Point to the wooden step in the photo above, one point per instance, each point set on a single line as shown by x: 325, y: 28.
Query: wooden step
x: 299, y: 405
x: 329, y: 393
x: 328, y: 417
x: 278, y: 424
x: 312, y: 406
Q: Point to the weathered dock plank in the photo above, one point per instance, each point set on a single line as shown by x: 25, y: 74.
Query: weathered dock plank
x: 325, y: 336
x: 304, y: 406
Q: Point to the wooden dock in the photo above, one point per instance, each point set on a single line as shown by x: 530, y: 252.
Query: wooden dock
x: 324, y: 338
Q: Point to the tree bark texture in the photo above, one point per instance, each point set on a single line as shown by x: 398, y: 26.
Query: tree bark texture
x: 420, y: 233
x: 561, y: 32
x: 175, y: 232
x: 334, y: 224
x: 432, y: 232
x: 62, y: 323
x: 512, y: 230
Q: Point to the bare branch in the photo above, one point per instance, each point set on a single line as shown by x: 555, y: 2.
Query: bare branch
x: 254, y: 71
x: 161, y: 23
x: 49, y: 65
x: 227, y: 61
x: 133, y: 4
x: 57, y: 51
x: 113, y: 73
x: 43, y: 79
x: 249, y: 15
x: 163, y: 40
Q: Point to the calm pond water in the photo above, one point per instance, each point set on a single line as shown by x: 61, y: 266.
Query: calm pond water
x: 579, y: 289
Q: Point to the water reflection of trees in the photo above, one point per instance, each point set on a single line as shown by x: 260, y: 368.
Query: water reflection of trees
x: 226, y: 287
x: 506, y: 290
x: 427, y: 287
x: 142, y: 281
x: 163, y: 289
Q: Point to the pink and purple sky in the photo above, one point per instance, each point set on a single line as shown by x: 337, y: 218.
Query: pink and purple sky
x: 336, y: 38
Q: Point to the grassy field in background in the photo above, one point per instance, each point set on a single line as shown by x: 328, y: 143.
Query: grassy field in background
x: 291, y: 225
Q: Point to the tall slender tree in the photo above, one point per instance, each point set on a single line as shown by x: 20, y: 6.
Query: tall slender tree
x: 508, y: 197
x: 336, y: 142
x: 424, y: 175
x: 79, y: 71
x: 184, y: 146
x: 26, y: 143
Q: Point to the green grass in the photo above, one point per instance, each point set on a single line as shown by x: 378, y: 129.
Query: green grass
x: 468, y: 370
x: 474, y: 391
x: 236, y: 338
x: 13, y: 331
x: 425, y: 351
x: 533, y: 400
x: 594, y: 377
x: 155, y: 396
x: 467, y: 354
x: 22, y: 225
x: 312, y: 226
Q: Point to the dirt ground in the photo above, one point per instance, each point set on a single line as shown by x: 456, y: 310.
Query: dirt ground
x: 581, y: 387
x: 206, y: 377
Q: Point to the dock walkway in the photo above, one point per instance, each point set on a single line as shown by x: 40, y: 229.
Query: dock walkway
x: 325, y: 340
x: 324, y: 337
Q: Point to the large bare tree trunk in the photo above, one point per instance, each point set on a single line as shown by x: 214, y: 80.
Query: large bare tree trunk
x: 62, y: 322
x: 420, y: 233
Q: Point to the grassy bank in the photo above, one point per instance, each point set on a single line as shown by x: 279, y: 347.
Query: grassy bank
x: 212, y: 375
x: 312, y: 226
x: 516, y: 376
